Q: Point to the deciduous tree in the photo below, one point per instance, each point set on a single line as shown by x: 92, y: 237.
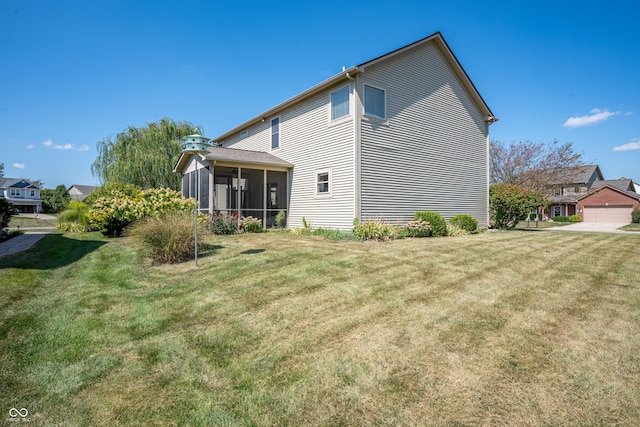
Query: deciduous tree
x: 143, y: 156
x: 509, y: 203
x: 54, y: 201
x: 531, y: 165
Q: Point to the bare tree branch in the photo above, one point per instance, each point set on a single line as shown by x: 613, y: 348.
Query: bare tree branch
x: 532, y: 165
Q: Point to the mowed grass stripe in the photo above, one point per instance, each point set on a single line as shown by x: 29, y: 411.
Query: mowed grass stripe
x: 496, y: 328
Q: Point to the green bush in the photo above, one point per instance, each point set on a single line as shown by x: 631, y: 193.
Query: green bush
x: 249, y: 224
x: 575, y: 218
x: 373, y: 230
x: 509, y: 203
x: 74, y: 218
x: 112, y: 214
x: 167, y: 238
x: 281, y: 219
x: 436, y: 221
x: 635, y: 216
x: 561, y: 218
x: 113, y: 189
x: 6, y: 210
x: 465, y: 222
x: 417, y: 228
x: 223, y: 224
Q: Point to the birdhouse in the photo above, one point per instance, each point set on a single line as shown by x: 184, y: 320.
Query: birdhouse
x: 195, y: 143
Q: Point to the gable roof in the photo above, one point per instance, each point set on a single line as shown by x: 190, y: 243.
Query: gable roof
x: 235, y: 155
x: 624, y: 184
x: 576, y: 175
x: 84, y: 189
x: 630, y: 194
x: 348, y: 74
x: 16, y: 183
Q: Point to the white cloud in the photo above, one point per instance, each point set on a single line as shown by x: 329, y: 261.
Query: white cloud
x: 29, y: 147
x: 597, y: 115
x: 49, y: 143
x: 19, y: 165
x: 633, y: 145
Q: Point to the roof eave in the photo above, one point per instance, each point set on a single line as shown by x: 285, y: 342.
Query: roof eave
x: 453, y: 62
x: 342, y: 76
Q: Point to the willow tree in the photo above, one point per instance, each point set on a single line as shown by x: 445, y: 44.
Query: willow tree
x: 143, y: 156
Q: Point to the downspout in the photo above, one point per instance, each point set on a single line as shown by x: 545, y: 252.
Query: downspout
x: 489, y: 120
x: 357, y: 155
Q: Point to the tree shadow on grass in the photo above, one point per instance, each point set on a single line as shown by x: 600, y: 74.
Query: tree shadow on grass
x: 52, y: 251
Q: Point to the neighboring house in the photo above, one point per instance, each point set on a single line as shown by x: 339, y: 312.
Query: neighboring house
x: 404, y: 132
x: 24, y: 195
x: 568, y: 186
x: 80, y: 192
x: 610, y: 202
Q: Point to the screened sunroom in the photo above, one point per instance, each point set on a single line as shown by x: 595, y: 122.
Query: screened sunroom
x: 240, y: 183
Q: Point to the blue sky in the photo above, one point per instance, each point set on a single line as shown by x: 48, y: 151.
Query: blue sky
x: 76, y: 72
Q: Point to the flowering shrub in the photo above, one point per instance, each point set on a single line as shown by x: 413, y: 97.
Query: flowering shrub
x: 417, y: 228
x: 222, y: 224
x: 372, y: 230
x: 250, y: 224
x: 436, y: 221
x: 112, y: 214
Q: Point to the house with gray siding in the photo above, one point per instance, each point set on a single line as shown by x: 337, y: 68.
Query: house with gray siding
x: 404, y: 132
x: 24, y: 195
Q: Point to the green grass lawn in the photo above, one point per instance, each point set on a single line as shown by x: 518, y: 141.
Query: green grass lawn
x: 499, y: 328
x: 631, y: 227
x: 31, y: 221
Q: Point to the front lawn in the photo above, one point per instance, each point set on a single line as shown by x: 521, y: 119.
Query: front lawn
x: 499, y: 328
x: 24, y: 221
x: 631, y: 227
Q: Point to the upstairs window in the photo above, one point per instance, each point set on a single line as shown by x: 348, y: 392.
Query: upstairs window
x: 340, y: 103
x: 275, y: 133
x: 323, y: 180
x: 15, y: 192
x: 375, y: 102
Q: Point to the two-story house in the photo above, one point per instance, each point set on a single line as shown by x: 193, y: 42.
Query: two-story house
x: 582, y: 190
x: 404, y: 132
x: 24, y: 195
x: 568, y: 186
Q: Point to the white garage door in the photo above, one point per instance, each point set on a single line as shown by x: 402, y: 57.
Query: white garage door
x: 608, y: 214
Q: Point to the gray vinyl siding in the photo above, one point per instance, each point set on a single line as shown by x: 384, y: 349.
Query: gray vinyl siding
x: 431, y: 153
x: 311, y: 143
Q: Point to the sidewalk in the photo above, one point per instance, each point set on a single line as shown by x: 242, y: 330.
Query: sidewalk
x: 21, y: 242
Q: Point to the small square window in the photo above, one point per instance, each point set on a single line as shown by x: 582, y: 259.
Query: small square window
x: 340, y: 103
x: 375, y: 102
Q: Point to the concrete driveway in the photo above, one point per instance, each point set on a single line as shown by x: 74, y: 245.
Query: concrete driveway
x: 597, y: 227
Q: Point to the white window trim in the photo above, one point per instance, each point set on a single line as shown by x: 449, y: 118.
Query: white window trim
x: 15, y: 192
x: 279, y: 133
x: 346, y: 117
x: 318, y: 172
x: 364, y: 103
